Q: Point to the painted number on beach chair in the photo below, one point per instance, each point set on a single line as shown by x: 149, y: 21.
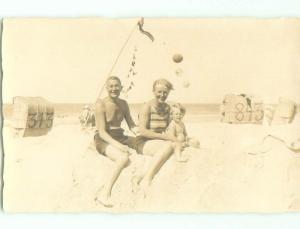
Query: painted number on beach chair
x: 239, y: 115
x: 37, y: 120
x: 31, y: 121
x: 259, y: 113
x: 49, y: 120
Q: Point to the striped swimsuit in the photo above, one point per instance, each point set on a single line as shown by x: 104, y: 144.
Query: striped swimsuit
x: 159, y: 119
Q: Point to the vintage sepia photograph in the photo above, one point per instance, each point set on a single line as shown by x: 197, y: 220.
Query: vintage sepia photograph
x: 189, y: 115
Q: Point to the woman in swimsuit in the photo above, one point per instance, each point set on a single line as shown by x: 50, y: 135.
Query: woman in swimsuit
x: 153, y: 140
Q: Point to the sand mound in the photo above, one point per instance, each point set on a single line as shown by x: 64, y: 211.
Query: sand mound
x: 62, y: 172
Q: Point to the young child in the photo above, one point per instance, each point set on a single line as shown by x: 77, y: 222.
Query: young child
x: 177, y: 128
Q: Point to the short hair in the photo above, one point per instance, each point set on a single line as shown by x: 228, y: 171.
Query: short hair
x: 113, y: 78
x: 180, y: 107
x: 164, y: 82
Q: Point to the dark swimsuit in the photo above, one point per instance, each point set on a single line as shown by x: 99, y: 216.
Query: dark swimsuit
x: 115, y: 133
x: 118, y: 135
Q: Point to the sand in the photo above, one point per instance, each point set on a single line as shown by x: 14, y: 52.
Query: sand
x: 61, y: 172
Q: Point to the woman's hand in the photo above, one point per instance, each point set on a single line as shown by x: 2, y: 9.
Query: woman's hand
x: 170, y: 137
x: 124, y: 148
x: 135, y: 130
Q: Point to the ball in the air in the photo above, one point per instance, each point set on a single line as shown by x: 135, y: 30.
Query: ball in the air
x: 177, y: 58
x: 178, y: 72
x: 186, y: 84
x: 193, y: 142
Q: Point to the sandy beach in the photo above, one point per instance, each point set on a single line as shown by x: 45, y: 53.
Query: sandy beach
x: 67, y: 61
x: 62, y: 172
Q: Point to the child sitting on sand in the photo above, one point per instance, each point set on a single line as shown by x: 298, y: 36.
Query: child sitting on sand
x: 177, y: 129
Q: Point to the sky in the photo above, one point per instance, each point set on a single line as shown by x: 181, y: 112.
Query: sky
x: 68, y: 60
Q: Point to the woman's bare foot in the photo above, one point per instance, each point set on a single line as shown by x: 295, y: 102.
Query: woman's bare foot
x: 103, y: 198
x: 144, y: 187
x: 139, y: 184
x: 135, y: 182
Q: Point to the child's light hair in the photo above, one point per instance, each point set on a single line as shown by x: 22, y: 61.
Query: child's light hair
x: 180, y: 107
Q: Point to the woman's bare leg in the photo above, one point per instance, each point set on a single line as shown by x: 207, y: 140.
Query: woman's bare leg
x: 120, y: 161
x: 160, y: 151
